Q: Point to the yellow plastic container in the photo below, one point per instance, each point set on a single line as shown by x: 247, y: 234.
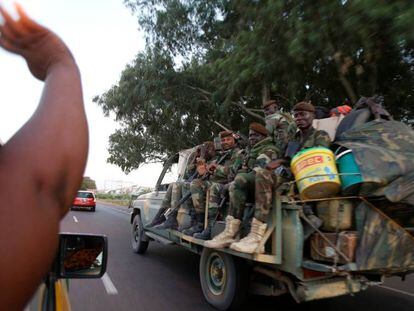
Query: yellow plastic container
x: 315, y: 173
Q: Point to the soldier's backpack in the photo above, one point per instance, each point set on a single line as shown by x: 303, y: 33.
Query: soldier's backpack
x: 366, y: 109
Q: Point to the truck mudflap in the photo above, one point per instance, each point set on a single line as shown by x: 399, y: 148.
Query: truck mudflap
x: 333, y: 287
x: 383, y: 244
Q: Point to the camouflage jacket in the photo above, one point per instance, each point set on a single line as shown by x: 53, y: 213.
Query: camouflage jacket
x: 314, y: 138
x: 190, y: 171
x: 259, y: 155
x: 225, y: 172
x: 281, y: 128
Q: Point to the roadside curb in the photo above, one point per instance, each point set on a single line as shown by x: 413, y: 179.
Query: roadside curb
x: 111, y: 204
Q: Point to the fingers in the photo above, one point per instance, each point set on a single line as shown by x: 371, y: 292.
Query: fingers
x: 28, y: 23
x: 8, y: 46
x: 14, y: 28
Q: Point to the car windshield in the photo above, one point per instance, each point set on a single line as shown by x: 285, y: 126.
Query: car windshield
x: 85, y: 195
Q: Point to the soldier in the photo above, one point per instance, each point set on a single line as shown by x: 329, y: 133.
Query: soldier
x: 176, y: 190
x: 219, y: 174
x: 306, y: 135
x: 267, y: 181
x: 280, y: 125
x: 243, y: 187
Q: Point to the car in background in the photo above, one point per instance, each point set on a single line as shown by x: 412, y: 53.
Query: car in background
x: 84, y: 200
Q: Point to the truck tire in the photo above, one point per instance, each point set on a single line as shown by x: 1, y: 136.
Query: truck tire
x: 139, y: 245
x: 223, y: 278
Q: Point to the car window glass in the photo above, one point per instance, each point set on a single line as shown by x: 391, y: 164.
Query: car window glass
x: 171, y: 174
x: 85, y: 195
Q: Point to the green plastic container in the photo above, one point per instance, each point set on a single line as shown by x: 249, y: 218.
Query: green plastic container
x: 349, y: 172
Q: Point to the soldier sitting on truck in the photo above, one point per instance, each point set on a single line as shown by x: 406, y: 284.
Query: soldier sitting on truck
x: 266, y: 182
x: 176, y: 190
x: 306, y: 136
x: 218, y: 173
x: 244, y: 163
x: 263, y: 151
x: 280, y: 125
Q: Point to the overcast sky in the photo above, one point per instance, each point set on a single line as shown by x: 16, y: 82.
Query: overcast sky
x: 103, y: 36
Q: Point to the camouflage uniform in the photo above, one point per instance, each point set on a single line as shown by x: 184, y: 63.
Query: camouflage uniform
x: 177, y: 189
x: 218, y: 179
x: 243, y: 186
x: 267, y: 181
x: 281, y: 128
x: 314, y: 138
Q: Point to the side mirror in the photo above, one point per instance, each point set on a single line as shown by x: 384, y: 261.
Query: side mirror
x: 82, y: 255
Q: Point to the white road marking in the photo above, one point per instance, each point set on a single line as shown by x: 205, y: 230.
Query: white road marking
x: 397, y: 290
x: 109, y: 286
x: 75, y: 219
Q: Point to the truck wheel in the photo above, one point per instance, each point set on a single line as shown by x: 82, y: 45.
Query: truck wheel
x: 224, y: 279
x: 139, y: 245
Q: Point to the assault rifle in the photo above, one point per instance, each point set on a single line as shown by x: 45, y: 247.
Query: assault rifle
x: 188, y: 194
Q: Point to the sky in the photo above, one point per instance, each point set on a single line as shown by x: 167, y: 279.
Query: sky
x: 104, y: 37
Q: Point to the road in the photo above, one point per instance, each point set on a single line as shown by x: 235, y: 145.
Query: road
x: 166, y: 277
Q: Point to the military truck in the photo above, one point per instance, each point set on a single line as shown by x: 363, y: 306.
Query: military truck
x: 301, y: 259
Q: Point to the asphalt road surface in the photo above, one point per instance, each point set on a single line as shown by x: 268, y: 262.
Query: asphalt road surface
x: 166, y: 277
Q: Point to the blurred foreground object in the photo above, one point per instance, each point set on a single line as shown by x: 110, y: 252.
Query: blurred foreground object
x: 50, y: 151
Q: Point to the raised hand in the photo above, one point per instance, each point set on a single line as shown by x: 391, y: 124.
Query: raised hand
x: 40, y: 47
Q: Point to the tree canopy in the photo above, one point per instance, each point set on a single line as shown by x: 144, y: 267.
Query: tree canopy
x: 88, y: 184
x: 209, y: 61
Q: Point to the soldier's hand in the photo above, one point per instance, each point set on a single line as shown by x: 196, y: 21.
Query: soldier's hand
x: 40, y: 47
x: 275, y: 164
x: 201, y: 169
x: 211, y: 167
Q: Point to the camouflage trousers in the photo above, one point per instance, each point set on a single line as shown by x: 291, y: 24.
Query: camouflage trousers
x: 260, y: 186
x: 266, y: 183
x: 175, y: 192
x: 214, y: 198
x: 198, y: 188
x: 240, y: 190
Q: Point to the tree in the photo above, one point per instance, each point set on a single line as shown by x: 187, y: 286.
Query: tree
x: 88, y: 184
x: 217, y: 60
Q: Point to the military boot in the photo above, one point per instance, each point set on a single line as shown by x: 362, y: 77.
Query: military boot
x: 225, y: 238
x: 158, y: 219
x: 170, y: 223
x: 206, y: 233
x: 251, y: 242
x: 198, y: 227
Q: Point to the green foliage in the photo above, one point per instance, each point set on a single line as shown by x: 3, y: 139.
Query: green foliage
x: 87, y: 184
x: 211, y: 60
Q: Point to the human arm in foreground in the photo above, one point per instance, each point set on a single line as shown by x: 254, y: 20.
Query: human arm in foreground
x: 41, y: 166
